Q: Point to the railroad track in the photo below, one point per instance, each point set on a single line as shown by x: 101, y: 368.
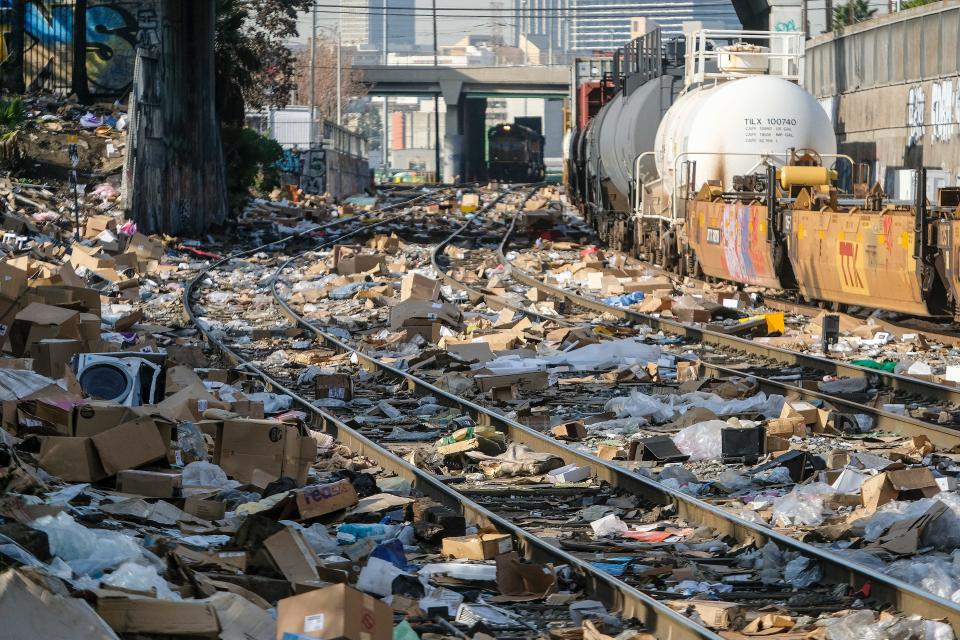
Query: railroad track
x: 628, y: 593
x: 938, y: 405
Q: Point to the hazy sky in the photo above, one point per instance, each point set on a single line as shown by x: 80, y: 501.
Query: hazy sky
x: 449, y: 29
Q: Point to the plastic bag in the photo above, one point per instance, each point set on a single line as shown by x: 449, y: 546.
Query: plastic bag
x: 701, y: 441
x: 679, y: 473
x: 206, y: 474
x: 137, y: 577
x: 87, y: 551
x: 802, y: 506
x: 639, y: 405
x: 802, y: 572
x: 193, y: 447
x: 608, y: 525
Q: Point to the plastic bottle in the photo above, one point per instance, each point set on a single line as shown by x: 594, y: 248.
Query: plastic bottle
x: 350, y: 533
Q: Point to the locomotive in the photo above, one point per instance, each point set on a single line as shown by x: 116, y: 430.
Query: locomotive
x: 515, y: 153
x: 738, y: 181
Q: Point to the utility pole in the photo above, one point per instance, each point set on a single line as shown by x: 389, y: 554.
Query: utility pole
x: 339, y: 77
x: 829, y: 9
x: 804, y: 19
x: 313, y: 74
x: 850, y: 12
x: 436, y: 100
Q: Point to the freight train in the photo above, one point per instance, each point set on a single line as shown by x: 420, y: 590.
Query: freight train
x: 738, y: 181
x: 515, y: 153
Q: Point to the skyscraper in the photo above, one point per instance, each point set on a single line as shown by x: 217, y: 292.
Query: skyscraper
x: 582, y: 26
x: 354, y: 22
x: 397, y: 20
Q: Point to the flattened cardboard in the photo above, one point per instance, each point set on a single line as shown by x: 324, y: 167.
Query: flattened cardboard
x: 130, y: 445
x: 30, y: 611
x: 339, y: 612
x: 168, y: 617
x: 471, y: 351
x: 532, y: 381
x: 480, y: 546
x: 320, y: 499
x: 292, y: 555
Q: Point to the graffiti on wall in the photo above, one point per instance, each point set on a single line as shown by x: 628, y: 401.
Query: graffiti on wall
x: 915, y: 104
x: 314, y: 176
x: 114, y: 30
x: 943, y: 119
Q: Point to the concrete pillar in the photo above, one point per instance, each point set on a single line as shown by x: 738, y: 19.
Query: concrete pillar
x: 452, y: 91
x: 452, y: 146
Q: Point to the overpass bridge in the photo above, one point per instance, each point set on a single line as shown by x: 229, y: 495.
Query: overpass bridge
x: 465, y: 90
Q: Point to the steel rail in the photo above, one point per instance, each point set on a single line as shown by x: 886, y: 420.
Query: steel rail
x: 898, y: 382
x: 616, y: 595
x: 897, y: 593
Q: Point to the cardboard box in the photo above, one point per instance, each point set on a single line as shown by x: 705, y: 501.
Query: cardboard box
x: 153, y: 616
x: 13, y: 281
x: 339, y: 612
x: 320, y: 499
x: 471, y: 351
x: 95, y: 417
x: 480, y: 546
x: 573, y: 430
x: 691, y: 314
x: 144, y: 248
x: 715, y: 614
x: 338, y: 386
x: 40, y: 321
x: 429, y: 331
x: 801, y: 408
x: 130, y: 445
x: 533, y: 381
x: 71, y: 459
x: 360, y: 263
x: 59, y: 414
x: 152, y: 484
x: 205, y: 509
x: 904, y: 484
x: 424, y: 310
x: 51, y: 357
x: 292, y: 555
x: 419, y: 287
x: 569, y: 473
x: 275, y: 448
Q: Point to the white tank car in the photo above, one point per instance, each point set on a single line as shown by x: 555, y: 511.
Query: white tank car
x: 756, y: 115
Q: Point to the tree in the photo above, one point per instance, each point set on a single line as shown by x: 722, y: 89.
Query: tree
x: 255, y: 68
x: 910, y: 4
x: 215, y: 60
x: 326, y: 78
x: 174, y: 179
x: 844, y: 14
